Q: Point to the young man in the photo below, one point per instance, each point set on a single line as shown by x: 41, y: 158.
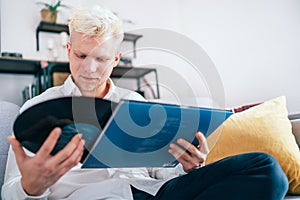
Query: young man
x: 95, y: 35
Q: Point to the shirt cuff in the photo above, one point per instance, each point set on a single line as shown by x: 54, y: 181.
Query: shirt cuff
x: 23, y: 195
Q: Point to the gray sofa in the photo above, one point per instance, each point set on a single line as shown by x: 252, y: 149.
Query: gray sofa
x: 9, y: 111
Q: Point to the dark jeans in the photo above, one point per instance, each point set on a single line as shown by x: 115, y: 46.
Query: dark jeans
x: 246, y: 176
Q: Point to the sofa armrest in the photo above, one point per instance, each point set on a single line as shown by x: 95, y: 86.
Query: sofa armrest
x: 295, y: 120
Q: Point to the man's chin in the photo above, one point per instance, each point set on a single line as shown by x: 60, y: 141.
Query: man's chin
x: 87, y: 89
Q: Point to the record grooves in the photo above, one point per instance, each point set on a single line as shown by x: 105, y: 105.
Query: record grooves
x: 72, y: 114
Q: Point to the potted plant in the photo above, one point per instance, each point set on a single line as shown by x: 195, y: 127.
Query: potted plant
x: 49, y: 12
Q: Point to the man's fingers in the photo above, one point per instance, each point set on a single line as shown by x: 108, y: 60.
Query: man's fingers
x: 184, y: 157
x: 74, y: 147
x: 49, y: 143
x: 187, y: 146
x: 187, y: 154
x: 203, y: 146
x: 176, y: 151
x: 17, y: 148
x: 74, y: 158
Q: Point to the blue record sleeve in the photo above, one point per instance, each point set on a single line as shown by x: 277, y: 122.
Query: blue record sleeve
x: 138, y: 134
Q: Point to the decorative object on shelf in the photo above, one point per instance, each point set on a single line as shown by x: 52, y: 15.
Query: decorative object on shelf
x: 126, y: 61
x: 49, y: 12
x: 52, y: 50
x: 11, y: 55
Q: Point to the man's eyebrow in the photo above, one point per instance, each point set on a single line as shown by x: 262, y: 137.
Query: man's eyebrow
x: 77, y: 51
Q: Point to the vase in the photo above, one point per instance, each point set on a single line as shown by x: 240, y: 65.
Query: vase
x: 48, y: 16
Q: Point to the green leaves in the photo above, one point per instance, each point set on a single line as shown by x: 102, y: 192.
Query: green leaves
x: 54, y: 6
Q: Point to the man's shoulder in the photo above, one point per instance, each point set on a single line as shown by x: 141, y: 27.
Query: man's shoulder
x: 51, y: 93
x: 123, y: 93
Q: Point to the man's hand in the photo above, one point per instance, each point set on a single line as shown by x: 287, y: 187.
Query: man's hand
x: 43, y: 170
x: 188, y: 155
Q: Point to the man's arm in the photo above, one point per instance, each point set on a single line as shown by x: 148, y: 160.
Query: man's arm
x: 189, y: 156
x: 39, y: 172
x: 12, y: 188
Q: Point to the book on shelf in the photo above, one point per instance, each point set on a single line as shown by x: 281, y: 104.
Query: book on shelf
x: 117, y: 135
x: 29, y: 91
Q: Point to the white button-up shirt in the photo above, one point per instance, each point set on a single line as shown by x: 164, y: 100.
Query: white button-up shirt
x: 89, y: 184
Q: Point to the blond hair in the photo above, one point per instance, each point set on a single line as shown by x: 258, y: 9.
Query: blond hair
x: 96, y: 22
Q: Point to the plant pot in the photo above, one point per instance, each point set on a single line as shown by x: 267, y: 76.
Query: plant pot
x: 48, y: 16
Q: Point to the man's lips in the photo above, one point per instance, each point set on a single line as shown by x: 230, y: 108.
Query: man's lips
x: 88, y: 78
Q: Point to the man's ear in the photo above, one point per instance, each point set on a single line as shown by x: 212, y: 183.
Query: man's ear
x: 117, y: 59
x: 68, y: 46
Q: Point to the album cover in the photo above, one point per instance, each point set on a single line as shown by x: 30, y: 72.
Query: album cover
x: 118, y: 135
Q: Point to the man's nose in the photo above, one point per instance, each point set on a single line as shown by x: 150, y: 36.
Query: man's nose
x: 90, y: 65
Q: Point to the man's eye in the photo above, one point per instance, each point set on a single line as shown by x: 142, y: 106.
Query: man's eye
x: 100, y: 59
x: 81, y: 56
x: 103, y: 60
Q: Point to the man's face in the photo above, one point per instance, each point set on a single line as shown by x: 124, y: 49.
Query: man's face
x: 91, y: 62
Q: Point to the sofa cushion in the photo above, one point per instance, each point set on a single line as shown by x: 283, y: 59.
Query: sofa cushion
x: 264, y: 128
x: 8, y: 113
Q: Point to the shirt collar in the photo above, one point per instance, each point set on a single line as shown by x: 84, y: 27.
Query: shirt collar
x: 112, y: 89
x: 71, y: 89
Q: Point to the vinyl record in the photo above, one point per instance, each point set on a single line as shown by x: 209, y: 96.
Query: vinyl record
x: 73, y: 115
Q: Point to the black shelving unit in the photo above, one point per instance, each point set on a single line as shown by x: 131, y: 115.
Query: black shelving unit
x: 58, y: 28
x: 136, y: 73
x: 19, y: 66
x: 22, y: 67
x: 51, y: 28
x: 132, y: 38
x: 44, y: 75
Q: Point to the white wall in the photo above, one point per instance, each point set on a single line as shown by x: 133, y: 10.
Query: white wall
x: 253, y: 44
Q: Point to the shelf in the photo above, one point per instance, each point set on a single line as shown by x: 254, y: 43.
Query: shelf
x: 19, y: 66
x: 118, y: 72
x: 58, y: 28
x: 52, y: 27
x: 131, y: 37
x: 44, y: 76
x: 22, y: 67
x: 130, y: 72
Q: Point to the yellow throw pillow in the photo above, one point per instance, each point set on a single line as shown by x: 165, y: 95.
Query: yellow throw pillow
x: 263, y: 128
